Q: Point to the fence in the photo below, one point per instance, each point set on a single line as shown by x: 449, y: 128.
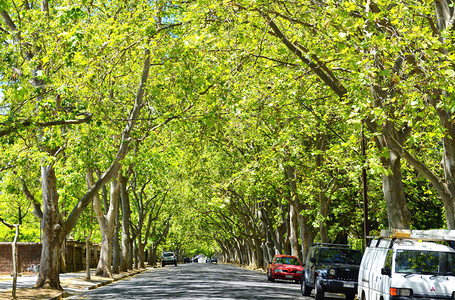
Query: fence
x: 29, y: 255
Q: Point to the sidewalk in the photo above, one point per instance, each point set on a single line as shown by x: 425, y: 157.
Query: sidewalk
x: 72, y: 283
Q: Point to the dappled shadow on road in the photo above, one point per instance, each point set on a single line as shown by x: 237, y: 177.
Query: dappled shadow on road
x: 198, y: 281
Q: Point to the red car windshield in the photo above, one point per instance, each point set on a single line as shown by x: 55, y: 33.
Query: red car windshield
x: 287, y: 261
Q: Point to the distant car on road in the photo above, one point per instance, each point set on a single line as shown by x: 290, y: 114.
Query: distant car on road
x: 186, y: 260
x: 331, y: 268
x: 168, y: 258
x: 211, y: 260
x: 286, y: 267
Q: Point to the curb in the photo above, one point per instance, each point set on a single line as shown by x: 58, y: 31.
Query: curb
x: 65, y: 294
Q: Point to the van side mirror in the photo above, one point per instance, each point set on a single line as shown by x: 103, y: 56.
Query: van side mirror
x: 386, y: 271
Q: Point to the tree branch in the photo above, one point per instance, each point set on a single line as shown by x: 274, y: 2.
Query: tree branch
x: 422, y: 168
x: 121, y: 153
x: 6, y: 224
x: 28, y: 123
x: 36, y: 205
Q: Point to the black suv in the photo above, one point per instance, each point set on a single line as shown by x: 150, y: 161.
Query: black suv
x: 331, y: 268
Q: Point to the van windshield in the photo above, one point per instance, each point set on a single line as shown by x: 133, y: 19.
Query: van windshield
x: 424, y: 262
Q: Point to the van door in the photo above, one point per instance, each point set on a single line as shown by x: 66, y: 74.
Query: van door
x: 364, y: 271
x: 366, y: 274
x: 376, y: 278
x: 385, y: 280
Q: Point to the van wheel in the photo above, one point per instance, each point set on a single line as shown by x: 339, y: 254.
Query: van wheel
x: 319, y: 291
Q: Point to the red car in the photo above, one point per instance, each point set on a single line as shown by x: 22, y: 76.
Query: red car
x: 285, y: 267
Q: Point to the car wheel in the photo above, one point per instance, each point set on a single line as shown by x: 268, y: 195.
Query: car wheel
x: 350, y: 296
x: 319, y: 291
x: 269, y: 277
x: 306, y: 290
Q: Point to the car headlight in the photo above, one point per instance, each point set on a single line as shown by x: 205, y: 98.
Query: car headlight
x: 400, y: 292
x: 332, y: 272
x: 278, y: 271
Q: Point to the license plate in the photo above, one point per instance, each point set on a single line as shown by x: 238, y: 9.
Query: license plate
x: 289, y: 276
x: 348, y: 285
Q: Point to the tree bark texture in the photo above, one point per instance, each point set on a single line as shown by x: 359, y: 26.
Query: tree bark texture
x: 126, y: 253
x: 52, y: 231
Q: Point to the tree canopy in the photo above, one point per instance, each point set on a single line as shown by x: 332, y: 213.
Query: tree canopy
x: 230, y: 128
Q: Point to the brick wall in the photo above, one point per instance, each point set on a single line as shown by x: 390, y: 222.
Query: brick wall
x: 28, y: 255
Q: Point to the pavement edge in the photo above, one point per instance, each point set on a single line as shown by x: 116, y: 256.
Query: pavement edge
x: 65, y: 294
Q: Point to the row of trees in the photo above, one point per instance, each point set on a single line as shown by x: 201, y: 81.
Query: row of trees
x: 239, y: 122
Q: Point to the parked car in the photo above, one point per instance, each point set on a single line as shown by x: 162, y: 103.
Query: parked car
x: 331, y: 268
x: 408, y: 269
x: 168, y: 258
x: 286, y: 267
x: 214, y: 260
x: 186, y: 260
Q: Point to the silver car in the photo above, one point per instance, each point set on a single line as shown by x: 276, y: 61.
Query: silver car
x: 168, y: 258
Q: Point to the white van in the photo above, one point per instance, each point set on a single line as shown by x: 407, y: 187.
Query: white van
x: 406, y: 269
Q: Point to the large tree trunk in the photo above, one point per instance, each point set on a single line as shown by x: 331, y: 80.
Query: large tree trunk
x: 107, y: 233
x: 126, y: 253
x: 448, y: 163
x: 305, y: 228
x: 104, y: 264
x: 306, y: 236
x: 141, y: 255
x: 107, y: 225
x: 444, y: 15
x: 152, y: 254
x: 52, y: 232
x: 87, y: 256
x: 293, y: 226
x: 392, y: 185
x: 116, y: 245
x: 259, y: 253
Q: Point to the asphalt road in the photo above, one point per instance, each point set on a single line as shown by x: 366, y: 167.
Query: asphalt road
x: 198, y: 281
